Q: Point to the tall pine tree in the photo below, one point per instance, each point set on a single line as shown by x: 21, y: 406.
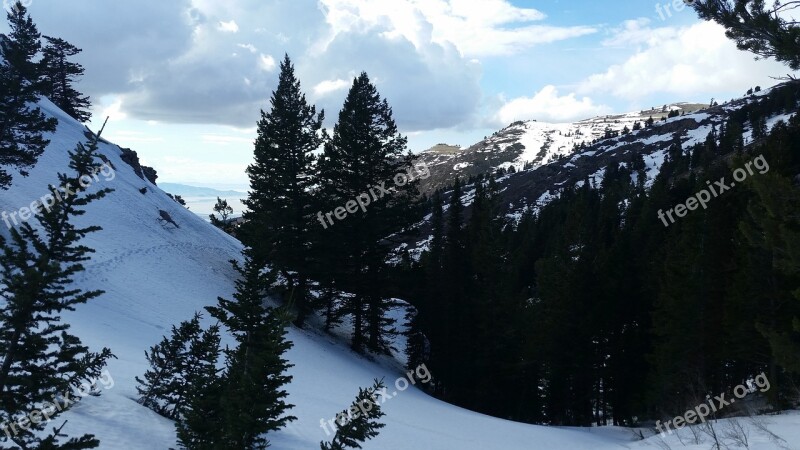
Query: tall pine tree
x: 22, y: 124
x: 281, y: 214
x: 58, y: 75
x: 364, y: 159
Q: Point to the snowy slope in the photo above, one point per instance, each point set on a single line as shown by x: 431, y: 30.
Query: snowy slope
x: 156, y: 275
x: 535, y: 143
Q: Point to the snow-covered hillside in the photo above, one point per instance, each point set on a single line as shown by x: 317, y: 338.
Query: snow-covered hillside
x: 156, y: 274
x: 532, y: 144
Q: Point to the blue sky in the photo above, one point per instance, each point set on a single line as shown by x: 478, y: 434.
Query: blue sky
x: 184, y: 80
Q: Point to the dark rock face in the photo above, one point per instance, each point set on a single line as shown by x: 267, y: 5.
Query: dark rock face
x: 132, y: 159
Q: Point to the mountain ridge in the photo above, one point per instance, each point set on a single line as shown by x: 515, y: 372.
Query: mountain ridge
x: 530, y: 144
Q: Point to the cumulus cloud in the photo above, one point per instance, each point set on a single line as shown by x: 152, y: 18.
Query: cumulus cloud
x: 211, y: 62
x: 326, y: 87
x: 428, y: 88
x: 249, y: 47
x: 683, y: 61
x: 548, y: 106
x: 229, y: 27
x: 267, y: 63
x: 477, y: 28
x: 121, y: 43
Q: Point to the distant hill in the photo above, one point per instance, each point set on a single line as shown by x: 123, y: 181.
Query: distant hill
x: 196, y: 191
x: 536, y: 161
x: 532, y: 144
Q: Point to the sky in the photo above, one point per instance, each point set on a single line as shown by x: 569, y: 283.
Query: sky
x: 184, y: 81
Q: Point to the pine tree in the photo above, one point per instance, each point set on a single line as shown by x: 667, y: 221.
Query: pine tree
x: 359, y: 423
x: 281, y: 214
x: 165, y: 385
x: 57, y: 76
x: 22, y: 125
x: 253, y: 396
x: 428, y: 313
x: 200, y: 424
x: 773, y: 227
x: 455, y: 276
x: 39, y: 360
x: 366, y: 159
x: 225, y: 211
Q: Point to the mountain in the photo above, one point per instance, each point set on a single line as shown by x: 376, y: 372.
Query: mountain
x: 537, y: 160
x: 532, y: 144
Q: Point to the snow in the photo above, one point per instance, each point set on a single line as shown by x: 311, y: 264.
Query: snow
x: 656, y: 139
x: 157, y: 275
x: 697, y: 136
x: 653, y: 162
x: 597, y: 178
x: 771, y: 122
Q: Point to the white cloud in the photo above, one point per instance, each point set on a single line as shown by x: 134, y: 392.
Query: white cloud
x: 328, y: 86
x: 548, y: 106
x: 430, y: 86
x: 267, y: 63
x: 229, y: 27
x: 217, y: 63
x: 684, y: 61
x: 475, y: 27
x: 113, y: 111
x: 634, y: 33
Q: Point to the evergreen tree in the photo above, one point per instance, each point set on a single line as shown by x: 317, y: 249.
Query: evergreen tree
x: 281, y: 210
x: 22, y: 124
x: 253, y: 395
x: 360, y: 421
x: 367, y: 160
x: 428, y: 313
x: 606, y: 314
x: 58, y: 75
x: 224, y: 211
x: 454, y: 286
x: 772, y: 229
x: 165, y: 385
x: 39, y: 360
x: 200, y: 424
